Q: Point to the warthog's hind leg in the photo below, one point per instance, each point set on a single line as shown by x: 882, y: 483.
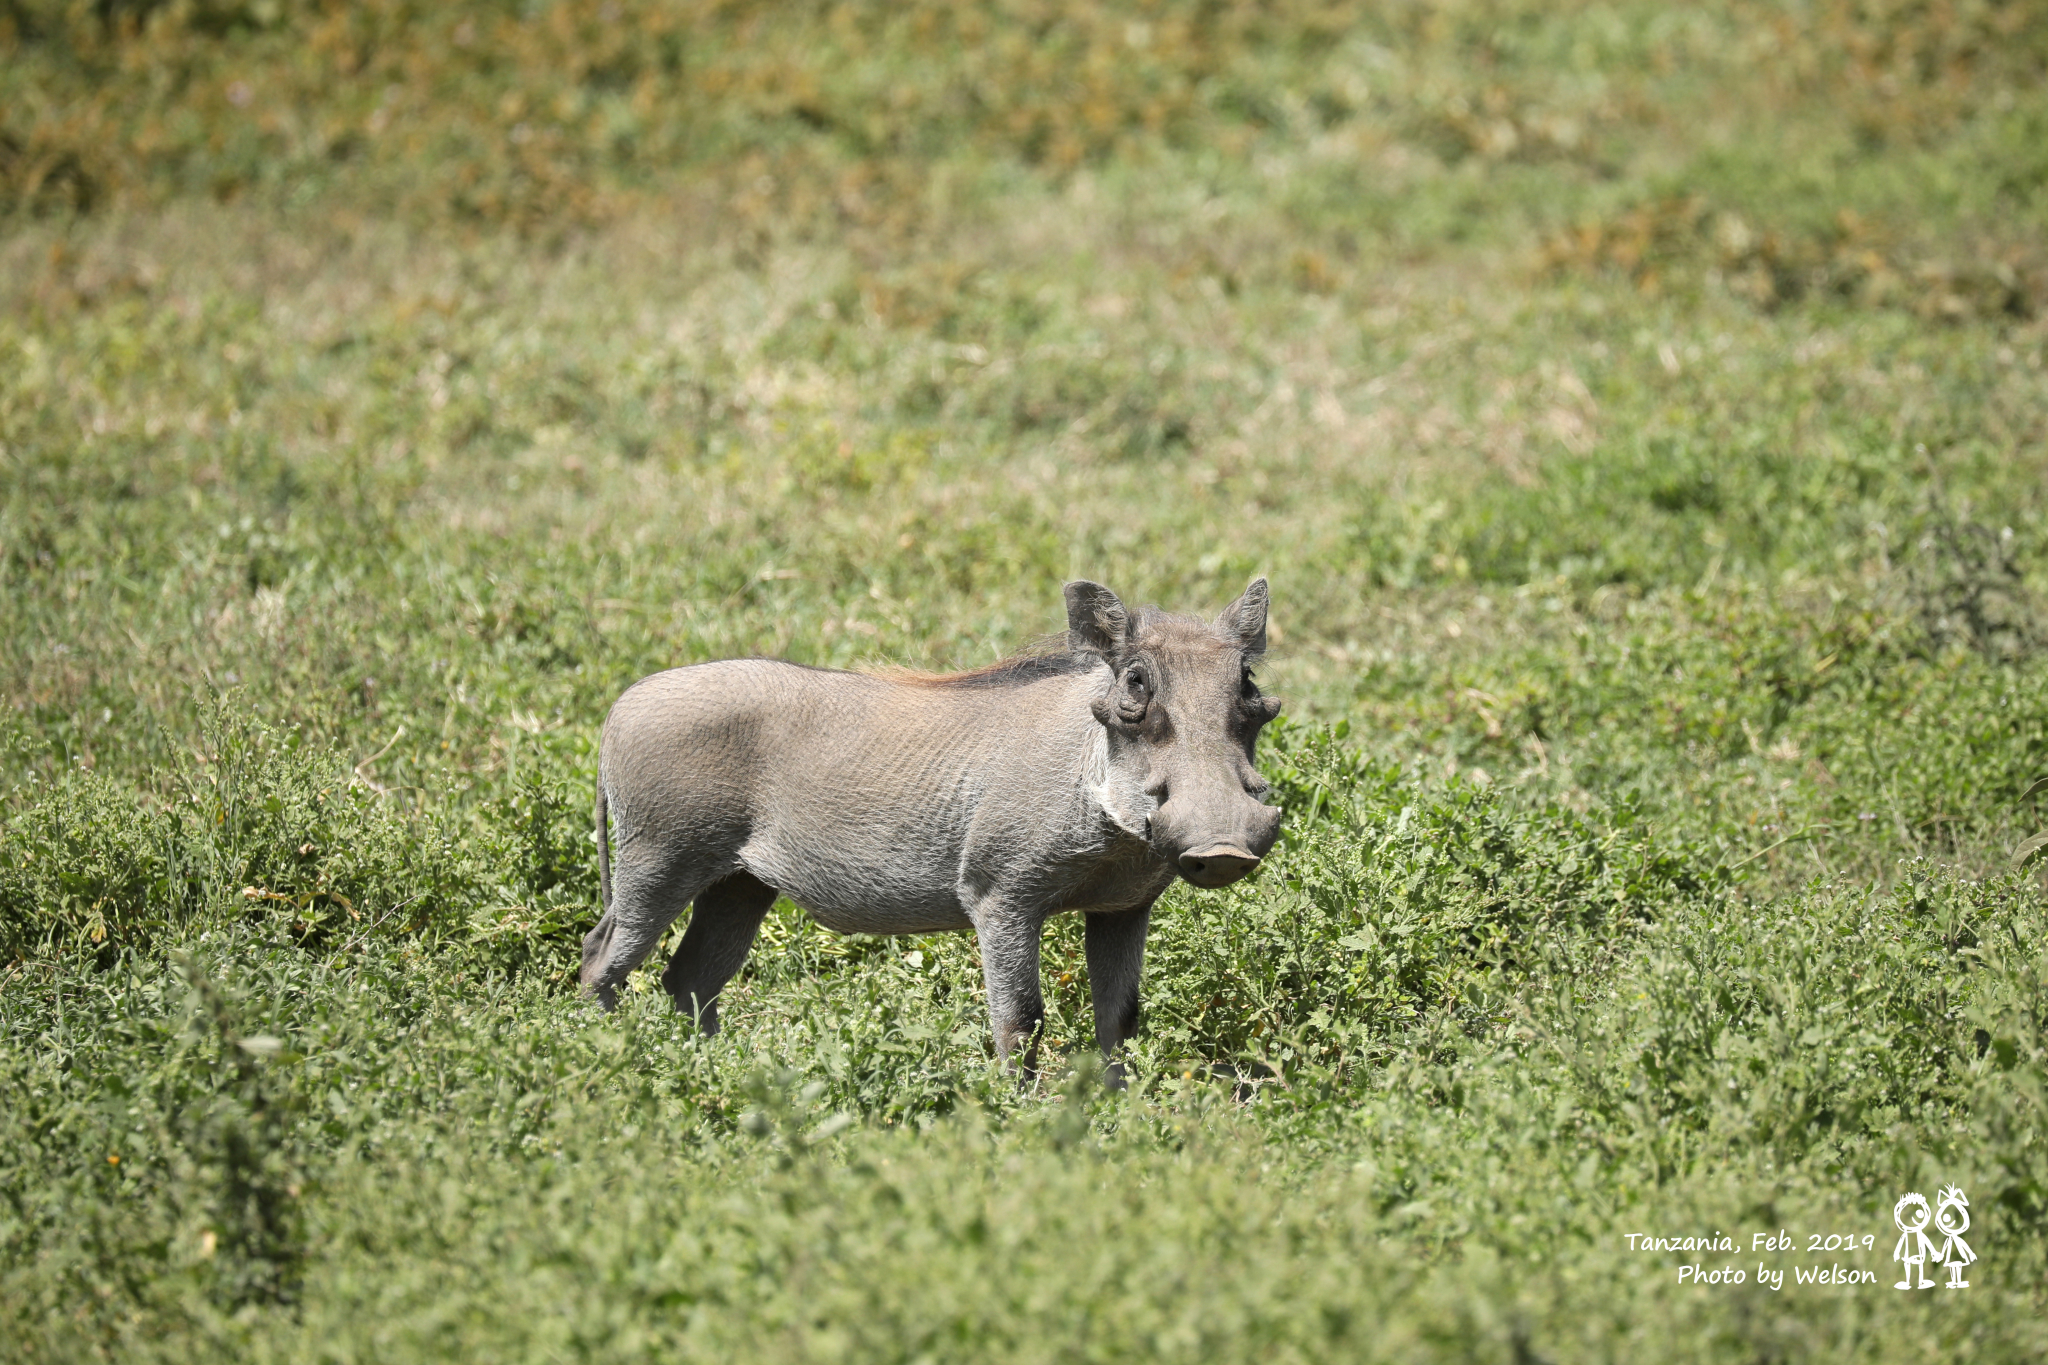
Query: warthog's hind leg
x: 647, y: 896
x: 1116, y: 955
x: 597, y: 950
x: 723, y: 922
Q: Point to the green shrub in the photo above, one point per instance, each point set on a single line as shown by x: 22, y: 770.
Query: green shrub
x: 259, y: 826
x: 1389, y: 902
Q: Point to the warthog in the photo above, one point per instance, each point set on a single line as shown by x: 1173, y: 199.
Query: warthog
x: 1084, y: 780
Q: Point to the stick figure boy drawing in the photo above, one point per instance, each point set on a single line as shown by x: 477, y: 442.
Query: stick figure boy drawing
x: 1910, y: 1215
x: 1952, y: 1219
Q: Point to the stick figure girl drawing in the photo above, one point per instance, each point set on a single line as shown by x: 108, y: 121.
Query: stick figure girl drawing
x: 1910, y: 1215
x: 1952, y: 1219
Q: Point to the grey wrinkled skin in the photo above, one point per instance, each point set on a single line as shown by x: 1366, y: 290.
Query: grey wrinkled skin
x: 908, y: 804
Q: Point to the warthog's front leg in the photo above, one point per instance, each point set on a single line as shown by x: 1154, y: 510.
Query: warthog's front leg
x: 1009, y: 965
x: 1116, y: 955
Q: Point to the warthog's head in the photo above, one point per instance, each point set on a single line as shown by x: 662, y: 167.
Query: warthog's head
x: 1183, y: 716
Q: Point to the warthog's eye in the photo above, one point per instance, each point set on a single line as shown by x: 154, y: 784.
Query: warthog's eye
x: 1257, y: 706
x: 1137, y: 694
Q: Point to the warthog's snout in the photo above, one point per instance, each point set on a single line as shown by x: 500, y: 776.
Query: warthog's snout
x: 1217, y: 865
x: 1227, y: 840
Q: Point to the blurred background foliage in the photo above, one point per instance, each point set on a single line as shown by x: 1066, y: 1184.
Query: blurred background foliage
x: 1925, y: 119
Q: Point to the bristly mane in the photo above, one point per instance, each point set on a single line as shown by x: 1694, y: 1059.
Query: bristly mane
x: 1151, y: 621
x: 1050, y: 657
x: 1015, y: 671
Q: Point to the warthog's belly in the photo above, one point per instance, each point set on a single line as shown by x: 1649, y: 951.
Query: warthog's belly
x: 886, y: 919
x: 862, y: 893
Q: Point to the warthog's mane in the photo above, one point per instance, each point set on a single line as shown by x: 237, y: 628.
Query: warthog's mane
x: 1052, y: 657
x: 1019, y: 670
x: 1159, y: 627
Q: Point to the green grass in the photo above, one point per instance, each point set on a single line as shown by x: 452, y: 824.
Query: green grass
x: 1641, y: 416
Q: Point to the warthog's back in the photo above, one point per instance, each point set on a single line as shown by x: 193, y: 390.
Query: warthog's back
x: 867, y: 800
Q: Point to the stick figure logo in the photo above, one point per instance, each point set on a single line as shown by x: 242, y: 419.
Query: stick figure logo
x: 1910, y: 1216
x: 1952, y: 1220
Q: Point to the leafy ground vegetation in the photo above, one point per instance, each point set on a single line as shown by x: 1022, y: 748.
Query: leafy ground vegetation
x: 1641, y: 410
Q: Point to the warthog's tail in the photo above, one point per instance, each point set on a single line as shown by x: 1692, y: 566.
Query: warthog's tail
x: 604, y: 852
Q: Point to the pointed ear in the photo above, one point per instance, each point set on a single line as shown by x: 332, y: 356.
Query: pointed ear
x: 1096, y: 622
x: 1245, y: 619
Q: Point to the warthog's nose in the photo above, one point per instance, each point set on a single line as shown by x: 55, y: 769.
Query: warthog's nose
x: 1217, y: 865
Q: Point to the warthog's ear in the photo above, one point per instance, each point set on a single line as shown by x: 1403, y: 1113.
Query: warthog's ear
x: 1096, y: 621
x: 1245, y: 619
